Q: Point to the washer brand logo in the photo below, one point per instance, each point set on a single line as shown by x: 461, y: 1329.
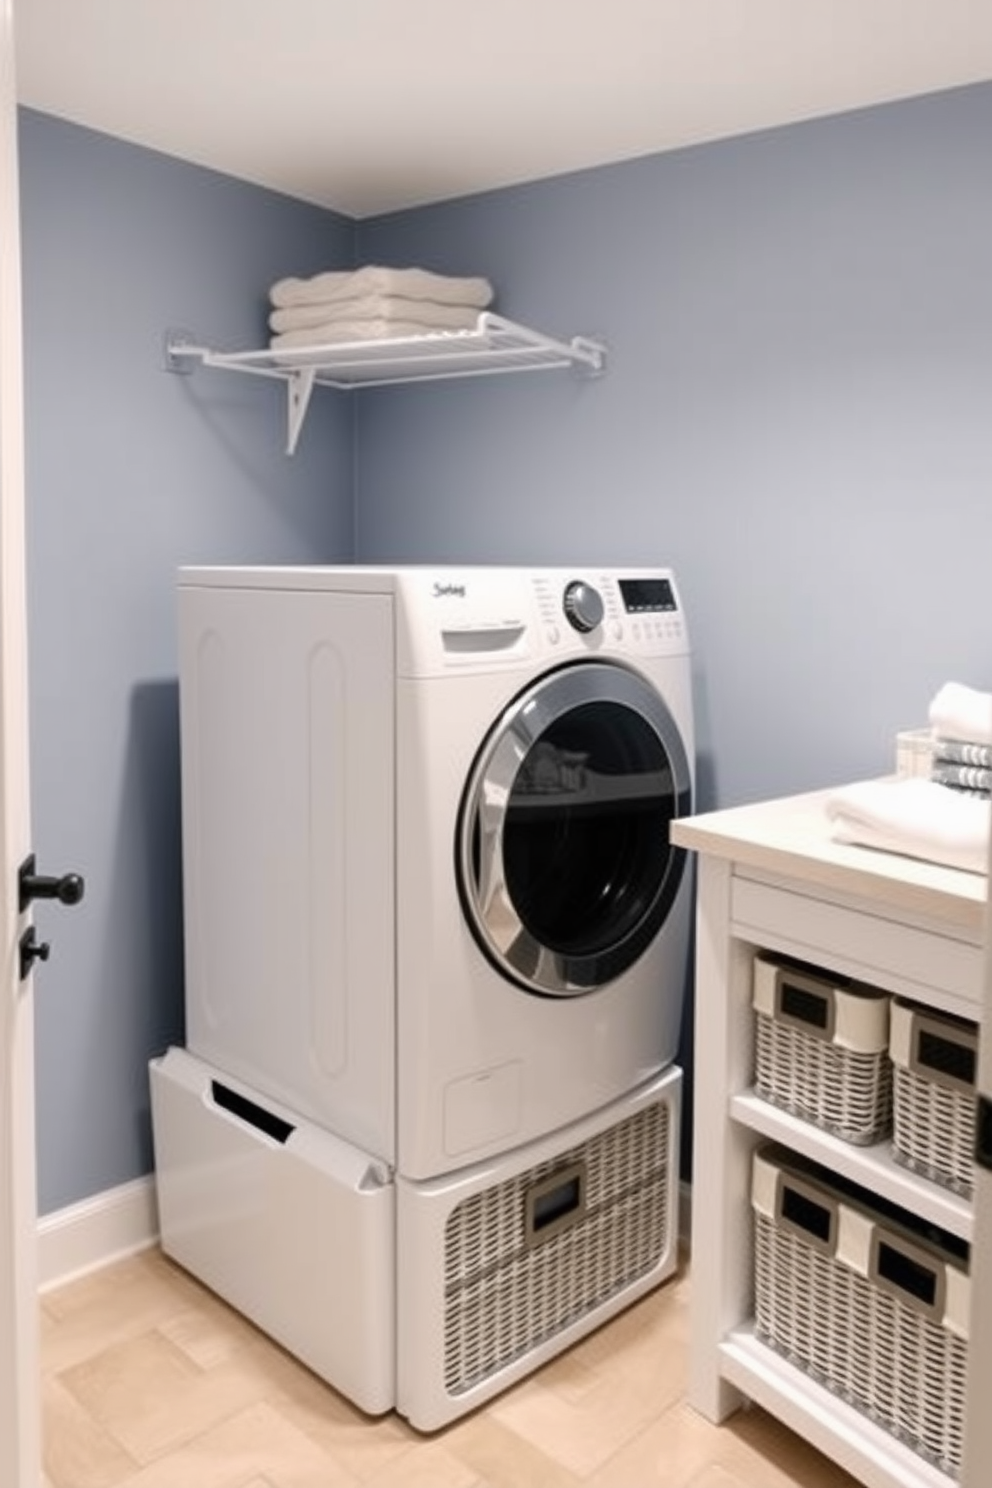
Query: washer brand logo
x: 445, y: 591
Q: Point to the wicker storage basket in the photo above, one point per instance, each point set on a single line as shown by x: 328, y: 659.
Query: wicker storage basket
x: 865, y: 1300
x: 934, y: 1063
x: 822, y: 1049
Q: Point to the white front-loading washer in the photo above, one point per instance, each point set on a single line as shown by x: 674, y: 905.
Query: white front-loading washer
x: 431, y: 902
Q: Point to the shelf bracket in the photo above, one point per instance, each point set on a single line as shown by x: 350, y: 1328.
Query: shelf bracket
x: 299, y: 386
x: 590, y: 355
x: 181, y: 353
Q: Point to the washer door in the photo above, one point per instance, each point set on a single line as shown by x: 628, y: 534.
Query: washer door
x: 565, y: 868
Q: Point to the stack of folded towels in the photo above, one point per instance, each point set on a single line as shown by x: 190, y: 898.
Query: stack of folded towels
x: 372, y: 303
x: 961, y: 742
x: 944, y: 819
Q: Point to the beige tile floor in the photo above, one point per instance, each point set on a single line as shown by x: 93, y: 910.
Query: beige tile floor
x: 150, y: 1381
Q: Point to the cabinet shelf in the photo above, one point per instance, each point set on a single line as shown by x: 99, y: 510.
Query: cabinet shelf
x: 872, y: 1167
x: 845, y: 1434
x: 494, y: 345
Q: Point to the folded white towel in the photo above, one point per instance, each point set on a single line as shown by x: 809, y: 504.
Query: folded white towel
x: 340, y: 332
x: 960, y: 712
x: 415, y: 284
x: 914, y: 816
x: 374, y: 307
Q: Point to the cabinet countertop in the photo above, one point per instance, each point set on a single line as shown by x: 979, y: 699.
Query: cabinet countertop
x: 791, y: 837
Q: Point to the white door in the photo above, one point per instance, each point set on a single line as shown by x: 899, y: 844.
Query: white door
x: 20, y: 1429
x: 978, y: 1417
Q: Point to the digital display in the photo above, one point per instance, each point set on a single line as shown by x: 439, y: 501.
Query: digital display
x: 641, y: 596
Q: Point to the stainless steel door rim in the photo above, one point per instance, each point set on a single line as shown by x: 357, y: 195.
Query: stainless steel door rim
x: 564, y: 865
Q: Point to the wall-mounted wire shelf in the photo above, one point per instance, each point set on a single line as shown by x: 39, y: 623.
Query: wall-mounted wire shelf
x: 493, y: 345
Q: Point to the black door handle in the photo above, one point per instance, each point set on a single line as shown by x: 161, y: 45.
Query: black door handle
x: 67, y: 890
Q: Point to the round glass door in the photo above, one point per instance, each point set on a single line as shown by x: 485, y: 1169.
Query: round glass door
x: 565, y: 868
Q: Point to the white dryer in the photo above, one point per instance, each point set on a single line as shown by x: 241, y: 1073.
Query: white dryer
x: 431, y: 901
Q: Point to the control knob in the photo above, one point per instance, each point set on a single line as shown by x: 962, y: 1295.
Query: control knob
x: 583, y: 606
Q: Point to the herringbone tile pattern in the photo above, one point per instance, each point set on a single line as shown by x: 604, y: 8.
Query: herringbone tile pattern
x: 151, y: 1382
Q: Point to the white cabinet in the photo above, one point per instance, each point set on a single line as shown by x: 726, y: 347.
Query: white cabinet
x: 771, y: 879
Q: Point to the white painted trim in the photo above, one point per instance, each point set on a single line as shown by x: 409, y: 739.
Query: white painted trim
x: 93, y: 1233
x: 20, y: 1372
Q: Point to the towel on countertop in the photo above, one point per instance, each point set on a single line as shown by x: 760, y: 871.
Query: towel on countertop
x: 341, y: 332
x: 963, y: 713
x: 915, y: 817
x: 375, y: 307
x: 413, y: 284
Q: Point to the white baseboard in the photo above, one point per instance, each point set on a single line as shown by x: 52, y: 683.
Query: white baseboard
x: 85, y: 1236
x: 121, y: 1221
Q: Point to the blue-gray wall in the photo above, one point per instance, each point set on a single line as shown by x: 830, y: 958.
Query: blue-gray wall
x: 132, y: 471
x: 795, y: 415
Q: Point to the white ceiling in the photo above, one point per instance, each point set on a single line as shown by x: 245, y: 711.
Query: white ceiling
x: 371, y: 105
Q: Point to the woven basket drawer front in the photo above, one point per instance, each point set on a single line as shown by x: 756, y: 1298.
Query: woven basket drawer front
x: 934, y: 1063
x: 505, y: 1296
x: 877, y: 1346
x: 821, y: 1050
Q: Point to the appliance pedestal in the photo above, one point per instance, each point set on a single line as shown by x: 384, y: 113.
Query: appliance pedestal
x: 432, y: 1296
x: 289, y: 1224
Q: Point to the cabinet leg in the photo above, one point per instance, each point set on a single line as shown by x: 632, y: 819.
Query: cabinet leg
x: 712, y: 1396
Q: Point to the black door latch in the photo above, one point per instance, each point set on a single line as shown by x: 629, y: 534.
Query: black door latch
x: 68, y: 890
x: 31, y: 950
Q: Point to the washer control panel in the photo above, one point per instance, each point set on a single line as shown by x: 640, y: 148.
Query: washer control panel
x: 641, y: 611
x: 488, y: 619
